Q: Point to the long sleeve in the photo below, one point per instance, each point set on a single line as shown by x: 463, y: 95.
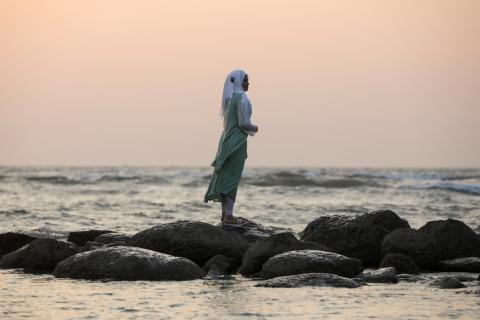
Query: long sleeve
x: 244, y: 115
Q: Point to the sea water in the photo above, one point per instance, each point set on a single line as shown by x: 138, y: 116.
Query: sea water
x: 52, y: 201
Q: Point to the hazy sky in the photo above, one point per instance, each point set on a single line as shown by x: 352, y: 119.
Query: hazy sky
x: 332, y: 83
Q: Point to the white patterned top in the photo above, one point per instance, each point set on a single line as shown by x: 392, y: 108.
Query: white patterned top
x: 244, y: 115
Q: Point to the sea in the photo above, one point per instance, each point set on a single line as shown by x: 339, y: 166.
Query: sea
x: 52, y: 201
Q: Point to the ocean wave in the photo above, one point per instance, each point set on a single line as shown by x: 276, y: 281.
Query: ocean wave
x: 462, y: 188
x: 415, y: 176
x: 290, y: 179
x: 54, y: 180
x: 455, y: 187
x: 113, y: 178
x: 347, y: 183
x: 461, y: 177
x: 281, y: 178
x: 152, y: 180
x: 64, y: 180
x: 14, y: 212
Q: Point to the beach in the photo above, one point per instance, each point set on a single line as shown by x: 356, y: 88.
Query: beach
x: 54, y: 201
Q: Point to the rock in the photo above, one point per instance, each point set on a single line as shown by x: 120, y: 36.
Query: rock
x: 250, y: 230
x: 358, y: 236
x: 462, y: 277
x: 447, y: 283
x: 412, y: 278
x: 197, y: 241
x: 360, y: 281
x: 40, y: 255
x: 127, y: 263
x: 90, y: 245
x: 113, y: 237
x: 263, y: 250
x: 81, y: 237
x: 455, y: 239
x: 12, y: 241
x: 383, y: 275
x: 310, y: 261
x: 468, y: 264
x: 221, y: 265
x: 415, y: 244
x: 401, y: 263
x: 310, y: 280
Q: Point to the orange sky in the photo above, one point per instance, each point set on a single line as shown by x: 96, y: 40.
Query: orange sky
x: 333, y: 83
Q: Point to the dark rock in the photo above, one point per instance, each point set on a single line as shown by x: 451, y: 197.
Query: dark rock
x: 401, y: 263
x: 113, y: 237
x: 415, y: 244
x: 310, y: 280
x: 127, y: 263
x: 455, y: 239
x: 250, y: 230
x: 412, y: 277
x: 40, y: 255
x: 468, y: 264
x: 447, y: 283
x: 197, y: 241
x: 310, y: 261
x: 358, y: 236
x: 221, y: 265
x: 360, y: 281
x: 90, y: 245
x: 383, y: 275
x: 81, y: 237
x: 462, y: 277
x: 12, y: 241
x: 263, y: 250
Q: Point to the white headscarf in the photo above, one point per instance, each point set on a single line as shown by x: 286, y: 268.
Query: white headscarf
x: 233, y: 84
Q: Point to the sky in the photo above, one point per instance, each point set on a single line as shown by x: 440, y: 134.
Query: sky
x: 371, y: 83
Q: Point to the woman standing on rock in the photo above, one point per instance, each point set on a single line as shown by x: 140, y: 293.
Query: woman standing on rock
x: 236, y: 110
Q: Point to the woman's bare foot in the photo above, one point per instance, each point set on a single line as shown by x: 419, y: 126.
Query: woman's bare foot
x: 230, y: 220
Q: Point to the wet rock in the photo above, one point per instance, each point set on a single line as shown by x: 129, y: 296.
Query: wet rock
x: 360, y: 281
x: 401, y: 263
x: 310, y: 261
x: 221, y: 265
x: 91, y: 245
x: 358, y: 236
x: 263, y: 250
x: 412, y: 278
x: 415, y: 244
x: 40, y: 255
x: 310, y: 280
x: 113, y: 237
x: 462, y: 277
x: 81, y: 237
x: 12, y: 241
x: 447, y: 283
x: 127, y: 263
x: 455, y: 239
x: 383, y: 275
x: 197, y: 241
x: 468, y: 264
x: 250, y: 230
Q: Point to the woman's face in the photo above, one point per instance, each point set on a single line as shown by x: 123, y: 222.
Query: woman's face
x: 245, y: 83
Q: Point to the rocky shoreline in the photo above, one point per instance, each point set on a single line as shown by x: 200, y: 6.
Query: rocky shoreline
x: 332, y: 250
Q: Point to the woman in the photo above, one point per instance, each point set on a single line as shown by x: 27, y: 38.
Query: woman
x: 232, y: 148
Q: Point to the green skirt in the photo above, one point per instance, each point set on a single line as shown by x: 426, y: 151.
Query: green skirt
x: 225, y: 181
